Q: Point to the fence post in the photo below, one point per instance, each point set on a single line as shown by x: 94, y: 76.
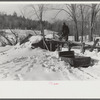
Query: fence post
x: 83, y: 48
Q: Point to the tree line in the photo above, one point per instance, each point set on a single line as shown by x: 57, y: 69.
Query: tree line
x: 17, y: 22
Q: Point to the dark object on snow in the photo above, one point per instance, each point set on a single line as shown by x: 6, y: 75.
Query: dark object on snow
x: 78, y: 61
x: 69, y: 54
x: 65, y: 31
x: 41, y: 44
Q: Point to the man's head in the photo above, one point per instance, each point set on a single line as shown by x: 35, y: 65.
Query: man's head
x: 64, y: 23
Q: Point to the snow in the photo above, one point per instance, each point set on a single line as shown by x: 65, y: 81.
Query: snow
x: 35, y: 39
x: 23, y: 63
x: 50, y: 36
x: 20, y: 62
x: 2, y: 49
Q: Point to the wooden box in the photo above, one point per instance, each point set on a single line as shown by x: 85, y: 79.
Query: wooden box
x: 78, y: 61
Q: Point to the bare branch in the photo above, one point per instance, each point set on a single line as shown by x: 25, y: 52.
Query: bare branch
x: 57, y: 13
x: 68, y: 8
x: 35, y: 12
x: 63, y: 10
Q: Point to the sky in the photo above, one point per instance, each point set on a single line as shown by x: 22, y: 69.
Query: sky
x: 10, y: 8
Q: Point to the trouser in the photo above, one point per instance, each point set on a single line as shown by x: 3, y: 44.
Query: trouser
x: 65, y: 38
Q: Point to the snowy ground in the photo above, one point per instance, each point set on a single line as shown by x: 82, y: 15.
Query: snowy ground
x: 27, y: 64
x: 20, y: 62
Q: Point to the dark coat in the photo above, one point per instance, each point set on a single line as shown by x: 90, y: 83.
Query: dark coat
x: 65, y: 30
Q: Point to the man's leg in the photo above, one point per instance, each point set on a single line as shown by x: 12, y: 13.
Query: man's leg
x: 66, y: 37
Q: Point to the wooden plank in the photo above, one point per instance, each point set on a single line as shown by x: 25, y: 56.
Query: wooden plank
x: 71, y: 43
x: 66, y: 54
x: 83, y: 48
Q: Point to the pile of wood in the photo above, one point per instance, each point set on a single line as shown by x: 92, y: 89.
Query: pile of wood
x: 44, y: 44
x: 53, y: 44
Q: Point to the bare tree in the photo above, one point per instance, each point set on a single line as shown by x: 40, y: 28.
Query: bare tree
x: 82, y: 13
x: 38, y: 11
x: 71, y: 10
x: 15, y: 35
x: 3, y: 34
x: 94, y: 11
x: 41, y: 9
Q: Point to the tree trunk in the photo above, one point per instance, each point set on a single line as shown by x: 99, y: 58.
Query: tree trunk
x: 91, y: 34
x: 41, y: 22
x: 92, y: 21
x: 73, y: 8
x: 76, y: 34
x: 91, y: 30
x: 82, y: 32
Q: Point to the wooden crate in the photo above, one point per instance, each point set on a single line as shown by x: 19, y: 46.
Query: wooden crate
x: 78, y: 61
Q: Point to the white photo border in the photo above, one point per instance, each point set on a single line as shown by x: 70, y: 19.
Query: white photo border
x: 47, y: 89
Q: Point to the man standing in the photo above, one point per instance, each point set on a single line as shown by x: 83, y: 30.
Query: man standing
x: 65, y: 31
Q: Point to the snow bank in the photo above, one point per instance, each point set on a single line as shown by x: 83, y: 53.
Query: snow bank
x: 27, y: 64
x: 50, y: 36
x: 35, y: 39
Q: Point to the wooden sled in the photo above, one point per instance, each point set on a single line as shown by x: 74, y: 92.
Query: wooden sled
x: 75, y: 61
